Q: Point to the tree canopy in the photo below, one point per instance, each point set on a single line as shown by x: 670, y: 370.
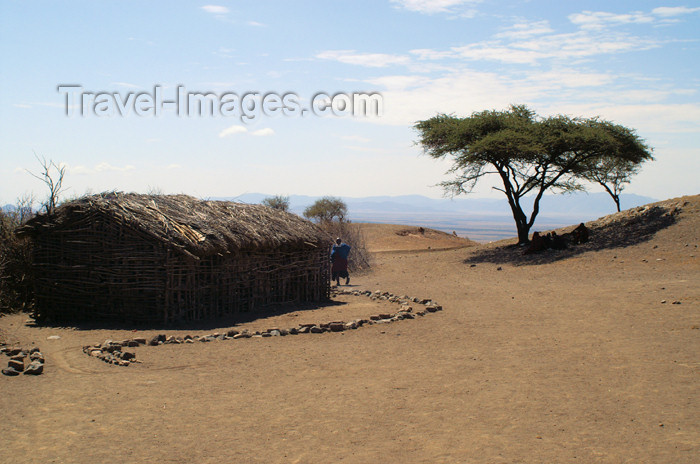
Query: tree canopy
x: 327, y: 209
x: 277, y: 202
x: 529, y: 154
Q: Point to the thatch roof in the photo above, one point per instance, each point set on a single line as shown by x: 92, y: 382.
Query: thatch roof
x: 196, y: 227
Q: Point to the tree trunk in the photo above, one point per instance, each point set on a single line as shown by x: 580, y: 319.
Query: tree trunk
x: 617, y: 202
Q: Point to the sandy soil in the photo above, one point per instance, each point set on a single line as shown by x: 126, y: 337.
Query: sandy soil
x: 567, y: 357
x: 394, y: 237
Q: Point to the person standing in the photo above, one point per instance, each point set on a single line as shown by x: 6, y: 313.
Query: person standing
x: 339, y: 260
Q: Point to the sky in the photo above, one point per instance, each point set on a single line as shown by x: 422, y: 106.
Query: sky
x: 632, y: 62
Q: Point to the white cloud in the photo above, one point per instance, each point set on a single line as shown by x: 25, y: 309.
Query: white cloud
x: 600, y: 19
x: 525, y: 29
x: 263, y: 132
x: 21, y: 105
x: 256, y: 24
x: 104, y: 166
x: 374, y: 60
x: 215, y: 9
x: 232, y: 130
x: 668, y: 11
x: 432, y: 6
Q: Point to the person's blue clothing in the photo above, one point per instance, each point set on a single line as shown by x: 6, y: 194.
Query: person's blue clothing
x: 340, y: 251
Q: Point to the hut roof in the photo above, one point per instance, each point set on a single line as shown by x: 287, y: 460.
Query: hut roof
x: 195, y: 227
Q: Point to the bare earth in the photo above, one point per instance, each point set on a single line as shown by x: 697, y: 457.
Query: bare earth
x: 566, y: 357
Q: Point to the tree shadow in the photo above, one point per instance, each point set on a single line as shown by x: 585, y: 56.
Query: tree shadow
x: 615, y: 231
x: 231, y: 320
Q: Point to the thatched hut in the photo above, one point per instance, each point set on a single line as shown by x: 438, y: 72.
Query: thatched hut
x: 171, y: 258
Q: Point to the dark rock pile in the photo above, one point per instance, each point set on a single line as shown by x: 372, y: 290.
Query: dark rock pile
x: 112, y: 352
x: 19, y: 363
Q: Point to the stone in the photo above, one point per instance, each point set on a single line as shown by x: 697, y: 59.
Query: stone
x: 10, y: 372
x: 350, y: 326
x: 35, y: 368
x: 304, y: 330
x: 132, y: 343
x: 406, y: 308
x: 16, y: 365
x: 241, y: 335
x: 307, y: 325
x: 189, y: 340
x: 316, y: 329
x: 385, y: 316
x: 140, y: 341
x: 53, y: 337
x: 293, y: 331
x: 267, y: 334
x: 37, y: 356
x: 336, y: 326
x: 18, y: 357
x: 374, y: 317
x: 431, y: 309
x: 127, y: 355
x: 34, y: 350
x: 96, y: 353
x: 275, y: 333
x: 232, y: 333
x: 14, y: 352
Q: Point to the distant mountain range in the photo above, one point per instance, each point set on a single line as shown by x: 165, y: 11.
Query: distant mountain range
x: 481, y: 219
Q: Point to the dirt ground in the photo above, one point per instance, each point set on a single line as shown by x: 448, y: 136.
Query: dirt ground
x: 570, y: 357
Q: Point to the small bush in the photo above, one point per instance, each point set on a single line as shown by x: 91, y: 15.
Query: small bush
x: 16, y: 287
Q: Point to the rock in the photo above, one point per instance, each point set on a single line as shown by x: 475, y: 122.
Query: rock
x: 37, y: 356
x: 34, y: 350
x: 275, y: 333
x: 13, y: 352
x: 53, y: 337
x: 96, y: 353
x: 336, y: 326
x: 232, y: 333
x: 16, y: 365
x: 140, y: 341
x: 188, y: 337
x: 374, y: 317
x: 127, y: 355
x: 425, y: 301
x: 241, y: 335
x: 10, y: 372
x: 18, y: 357
x: 304, y: 330
x: 316, y: 329
x: 35, y: 368
x: 385, y: 316
x: 431, y: 309
x: 132, y: 343
x: 267, y: 334
x: 350, y: 326
x: 154, y: 341
x: 293, y: 331
x: 406, y: 308
x: 499, y: 268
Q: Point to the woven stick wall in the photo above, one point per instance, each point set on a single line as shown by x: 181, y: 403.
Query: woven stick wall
x: 140, y: 258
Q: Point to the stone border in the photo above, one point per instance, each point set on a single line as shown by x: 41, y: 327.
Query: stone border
x: 112, y: 351
x: 16, y: 364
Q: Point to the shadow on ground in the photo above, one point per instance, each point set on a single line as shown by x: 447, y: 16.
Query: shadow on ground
x: 208, y: 324
x: 622, y: 230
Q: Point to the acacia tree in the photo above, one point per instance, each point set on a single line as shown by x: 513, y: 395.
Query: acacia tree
x: 52, y: 175
x: 326, y: 210
x: 529, y: 154
x: 613, y: 174
x: 277, y: 202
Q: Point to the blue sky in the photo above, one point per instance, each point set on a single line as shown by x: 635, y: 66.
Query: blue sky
x: 634, y: 62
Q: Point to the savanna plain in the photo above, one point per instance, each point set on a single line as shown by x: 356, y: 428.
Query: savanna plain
x: 587, y: 355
